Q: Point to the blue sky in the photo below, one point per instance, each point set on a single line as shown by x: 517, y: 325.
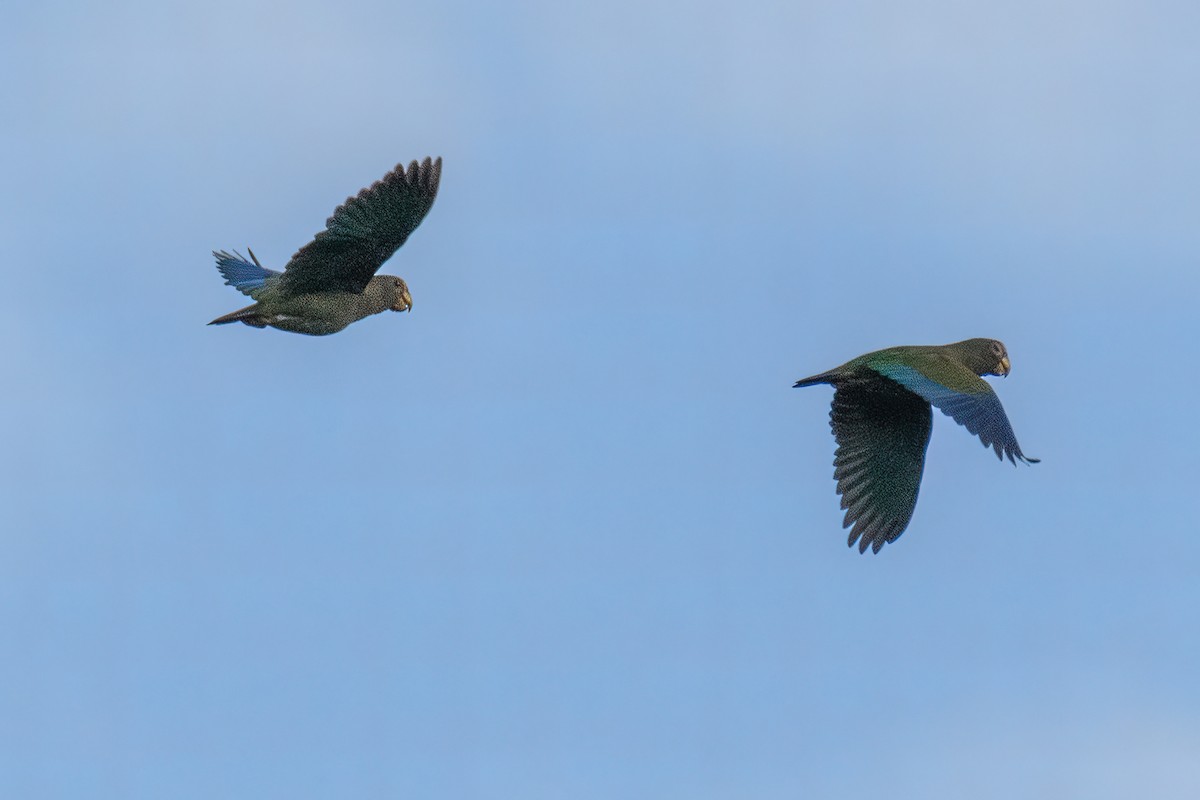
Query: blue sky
x: 566, y: 530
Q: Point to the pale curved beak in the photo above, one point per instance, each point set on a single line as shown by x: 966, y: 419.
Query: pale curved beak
x: 403, y: 302
x: 1005, y: 366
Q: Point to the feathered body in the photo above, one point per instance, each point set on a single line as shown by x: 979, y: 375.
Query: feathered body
x: 881, y: 418
x: 319, y: 313
x: 331, y: 281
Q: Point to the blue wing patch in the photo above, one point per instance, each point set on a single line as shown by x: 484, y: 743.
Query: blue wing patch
x: 979, y: 412
x: 242, y: 275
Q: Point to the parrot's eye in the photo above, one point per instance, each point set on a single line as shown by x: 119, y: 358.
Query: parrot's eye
x: 996, y: 348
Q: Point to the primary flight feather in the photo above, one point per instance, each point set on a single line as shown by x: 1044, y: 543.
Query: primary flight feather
x: 881, y: 419
x: 331, y: 282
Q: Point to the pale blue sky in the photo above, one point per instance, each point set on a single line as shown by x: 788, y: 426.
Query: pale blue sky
x: 566, y: 531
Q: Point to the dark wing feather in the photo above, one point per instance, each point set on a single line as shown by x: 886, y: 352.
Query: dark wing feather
x: 364, y: 232
x: 978, y: 410
x: 882, y: 431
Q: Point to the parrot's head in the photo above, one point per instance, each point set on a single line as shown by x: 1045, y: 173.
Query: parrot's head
x: 1000, y: 355
x: 984, y: 356
x: 401, y: 299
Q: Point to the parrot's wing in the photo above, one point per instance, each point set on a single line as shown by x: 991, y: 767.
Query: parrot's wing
x: 364, y: 232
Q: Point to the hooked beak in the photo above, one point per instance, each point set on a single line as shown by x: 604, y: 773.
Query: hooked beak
x: 403, y: 302
x: 1005, y: 366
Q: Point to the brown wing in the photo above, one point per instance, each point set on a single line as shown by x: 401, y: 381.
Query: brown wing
x: 882, y: 431
x: 364, y: 232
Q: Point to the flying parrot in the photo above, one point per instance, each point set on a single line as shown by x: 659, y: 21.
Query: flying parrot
x: 331, y: 282
x: 881, y: 419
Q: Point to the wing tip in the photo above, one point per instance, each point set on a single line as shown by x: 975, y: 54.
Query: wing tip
x: 425, y: 174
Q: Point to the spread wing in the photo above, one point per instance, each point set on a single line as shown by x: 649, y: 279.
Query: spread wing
x: 364, y: 232
x: 882, y: 431
x: 971, y: 402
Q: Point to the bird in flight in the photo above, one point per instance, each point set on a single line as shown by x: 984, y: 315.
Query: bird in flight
x: 881, y: 419
x: 331, y: 282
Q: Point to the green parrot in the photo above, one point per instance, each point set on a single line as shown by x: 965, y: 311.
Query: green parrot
x: 881, y: 419
x: 331, y: 282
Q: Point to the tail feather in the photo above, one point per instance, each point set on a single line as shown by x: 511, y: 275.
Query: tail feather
x: 248, y: 315
x: 824, y: 377
x: 239, y: 273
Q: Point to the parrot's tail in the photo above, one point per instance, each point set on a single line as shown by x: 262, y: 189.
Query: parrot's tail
x: 248, y: 315
x: 824, y: 377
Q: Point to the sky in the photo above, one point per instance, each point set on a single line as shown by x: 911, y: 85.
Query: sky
x: 565, y: 530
